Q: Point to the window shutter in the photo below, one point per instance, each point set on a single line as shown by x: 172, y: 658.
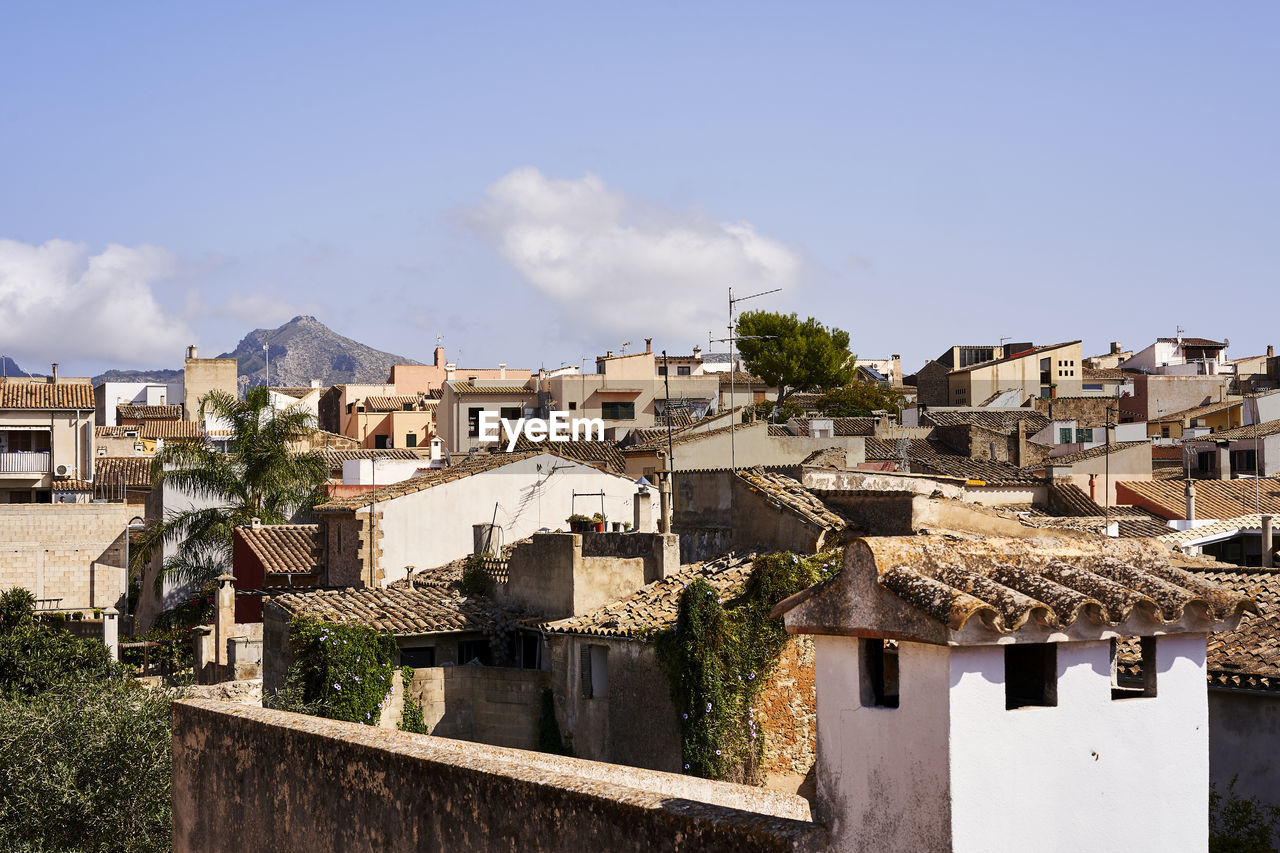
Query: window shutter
x: 584, y: 670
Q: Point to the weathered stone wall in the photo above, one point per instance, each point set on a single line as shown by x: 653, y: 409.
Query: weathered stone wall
x: 636, y: 723
x: 709, y: 522
x: 251, y: 778
x: 763, y: 524
x: 346, y: 545
x: 932, y: 385
x: 494, y: 705
x: 73, y: 552
x: 1244, y: 733
x: 1088, y: 411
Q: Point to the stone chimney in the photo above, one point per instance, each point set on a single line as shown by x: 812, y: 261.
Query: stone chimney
x: 1271, y: 351
x: 1190, y: 511
x: 1115, y: 347
x: 448, y: 371
x: 697, y: 352
x: 502, y: 370
x: 1268, y: 541
x: 255, y: 523
x: 111, y: 632
x: 53, y: 377
x: 439, y: 357
x: 224, y: 619
x: 1224, y: 461
x: 191, y: 351
x: 648, y: 345
x: 1022, y: 444
x: 608, y: 354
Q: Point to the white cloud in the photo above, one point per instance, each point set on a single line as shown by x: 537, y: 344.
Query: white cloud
x: 624, y: 267
x: 258, y: 309
x: 58, y: 301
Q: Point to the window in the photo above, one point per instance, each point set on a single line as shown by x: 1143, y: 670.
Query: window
x: 683, y: 370
x: 1244, y: 461
x: 474, y: 650
x: 1164, y: 432
x: 662, y: 370
x: 411, y: 439
x: 593, y: 671
x: 1125, y: 682
x: 407, y: 407
x: 1064, y: 435
x: 382, y: 442
x: 530, y: 651
x: 1206, y: 460
x: 1044, y: 391
x: 1092, y: 386
x: 879, y: 674
x: 418, y: 658
x: 1030, y: 675
x: 511, y: 413
x: 1083, y: 435
x: 618, y: 411
x: 573, y: 407
x: 473, y: 422
x: 350, y: 408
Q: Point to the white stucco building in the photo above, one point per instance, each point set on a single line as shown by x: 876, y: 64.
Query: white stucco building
x: 995, y: 719
x: 427, y: 520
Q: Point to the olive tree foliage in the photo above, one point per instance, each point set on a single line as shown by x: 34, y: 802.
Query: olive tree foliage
x: 794, y: 355
x: 260, y: 476
x: 84, y: 749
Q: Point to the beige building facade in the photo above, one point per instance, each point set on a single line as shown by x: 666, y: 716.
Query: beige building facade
x: 46, y: 434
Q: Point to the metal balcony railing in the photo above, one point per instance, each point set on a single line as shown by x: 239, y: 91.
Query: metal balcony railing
x: 24, y: 463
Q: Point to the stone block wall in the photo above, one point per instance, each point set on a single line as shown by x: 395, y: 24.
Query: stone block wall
x: 72, y: 552
x: 347, y: 548
x: 494, y: 705
x: 253, y: 778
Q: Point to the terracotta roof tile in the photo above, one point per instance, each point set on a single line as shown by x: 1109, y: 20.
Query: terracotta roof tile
x: 594, y: 453
x: 791, y: 494
x: 284, y: 548
x: 171, y: 429
x: 1245, y: 432
x: 334, y: 456
x: 1101, y: 373
x: 841, y: 426
x: 655, y: 606
x: 1197, y: 411
x: 468, y: 389
x: 1193, y: 342
x: 158, y: 413
x: 135, y: 470
x: 427, y: 480
x: 41, y: 394
x: 1214, y: 498
x: 398, y: 403
x: 1096, y: 452
x: 1008, y: 583
x: 401, y: 610
x: 929, y: 457
x: 997, y: 420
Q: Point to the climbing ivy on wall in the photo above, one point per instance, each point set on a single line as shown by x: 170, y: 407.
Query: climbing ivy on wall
x: 342, y: 672
x: 720, y: 654
x: 411, y: 719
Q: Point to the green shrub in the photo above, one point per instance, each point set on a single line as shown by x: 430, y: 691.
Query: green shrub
x: 17, y: 607
x: 86, y: 767
x: 342, y: 672
x: 1241, y: 824
x: 475, y: 580
x: 719, y: 656
x: 411, y: 719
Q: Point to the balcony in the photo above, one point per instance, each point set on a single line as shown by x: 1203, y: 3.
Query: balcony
x: 24, y: 463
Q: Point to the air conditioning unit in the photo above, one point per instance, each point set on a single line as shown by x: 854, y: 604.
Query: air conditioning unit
x: 62, y: 470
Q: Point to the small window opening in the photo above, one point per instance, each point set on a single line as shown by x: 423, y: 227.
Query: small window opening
x: 880, y: 674
x: 1030, y: 675
x: 593, y: 671
x: 1133, y: 676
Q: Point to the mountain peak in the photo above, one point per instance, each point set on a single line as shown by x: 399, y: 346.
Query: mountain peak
x: 304, y: 349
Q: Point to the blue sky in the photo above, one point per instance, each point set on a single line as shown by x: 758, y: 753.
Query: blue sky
x: 538, y: 184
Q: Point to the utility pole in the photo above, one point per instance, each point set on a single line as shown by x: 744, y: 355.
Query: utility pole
x: 733, y: 335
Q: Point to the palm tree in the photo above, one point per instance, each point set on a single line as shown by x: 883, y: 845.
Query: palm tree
x: 260, y: 476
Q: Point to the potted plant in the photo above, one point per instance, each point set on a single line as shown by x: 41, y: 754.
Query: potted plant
x: 579, y: 523
x: 599, y: 522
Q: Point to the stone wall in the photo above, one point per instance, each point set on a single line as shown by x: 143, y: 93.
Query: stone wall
x: 346, y: 546
x: 486, y: 704
x: 1244, y: 733
x: 1088, y: 411
x: 72, y: 552
x: 253, y: 778
x: 709, y: 522
x: 635, y: 723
